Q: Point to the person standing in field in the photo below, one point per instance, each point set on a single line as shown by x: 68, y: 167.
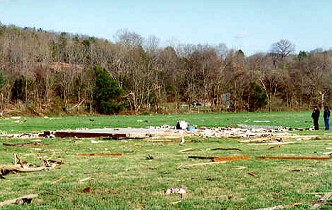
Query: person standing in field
x: 315, y: 117
x: 327, y: 118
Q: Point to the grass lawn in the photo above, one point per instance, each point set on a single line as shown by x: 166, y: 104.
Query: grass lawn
x: 139, y: 178
x: 38, y: 124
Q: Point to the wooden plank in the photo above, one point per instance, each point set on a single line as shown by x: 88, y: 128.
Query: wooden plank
x: 73, y: 134
x: 321, y: 200
x: 199, y: 164
x: 220, y: 159
x: 291, y: 158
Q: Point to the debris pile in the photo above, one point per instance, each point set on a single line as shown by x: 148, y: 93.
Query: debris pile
x: 240, y: 132
x: 181, y: 129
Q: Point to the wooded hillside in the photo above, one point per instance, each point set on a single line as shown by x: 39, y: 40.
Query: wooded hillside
x: 45, y: 72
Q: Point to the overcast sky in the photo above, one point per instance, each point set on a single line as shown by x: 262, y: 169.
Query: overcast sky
x: 250, y: 25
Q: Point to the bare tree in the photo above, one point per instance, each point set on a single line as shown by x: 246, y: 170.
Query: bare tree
x: 281, y: 49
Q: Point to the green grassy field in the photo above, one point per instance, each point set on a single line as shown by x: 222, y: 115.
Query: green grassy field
x: 138, y: 179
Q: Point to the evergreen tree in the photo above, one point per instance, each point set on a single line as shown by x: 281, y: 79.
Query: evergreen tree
x: 257, y: 97
x: 18, y: 90
x: 107, y: 93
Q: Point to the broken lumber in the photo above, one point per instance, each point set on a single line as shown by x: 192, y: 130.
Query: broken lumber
x: 252, y: 174
x: 81, y: 134
x: 18, y: 200
x: 199, y: 164
x: 227, y: 149
x: 201, y: 157
x: 321, y: 200
x: 220, y: 159
x: 100, y: 154
x: 187, y: 150
x: 291, y: 158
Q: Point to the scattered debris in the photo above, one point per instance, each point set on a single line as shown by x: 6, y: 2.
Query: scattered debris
x: 240, y: 167
x: 23, y: 200
x: 176, y: 202
x: 182, y: 141
x: 163, y: 140
x: 199, y: 164
x: 281, y: 206
x: 149, y: 157
x: 321, y: 200
x: 221, y: 159
x: 181, y: 125
x: 227, y: 149
x: 20, y: 200
x: 95, y: 142
x: 86, y: 179
x: 101, y: 154
x: 292, y: 158
x: 201, y: 157
x: 82, y: 134
x: 87, y: 190
x: 182, y: 191
x: 191, y: 128
x: 24, y: 144
x: 252, y: 174
x: 187, y: 150
x: 22, y: 166
x: 265, y: 140
x: 180, y: 130
x: 327, y: 153
x: 58, y: 179
x: 16, y: 118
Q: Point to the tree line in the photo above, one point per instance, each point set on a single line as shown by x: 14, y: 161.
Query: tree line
x: 50, y: 72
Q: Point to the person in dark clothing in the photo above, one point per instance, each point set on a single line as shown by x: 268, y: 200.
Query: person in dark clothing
x: 327, y: 118
x: 315, y: 117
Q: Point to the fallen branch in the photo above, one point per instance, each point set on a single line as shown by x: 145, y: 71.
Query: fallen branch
x: 21, y: 166
x: 20, y: 200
